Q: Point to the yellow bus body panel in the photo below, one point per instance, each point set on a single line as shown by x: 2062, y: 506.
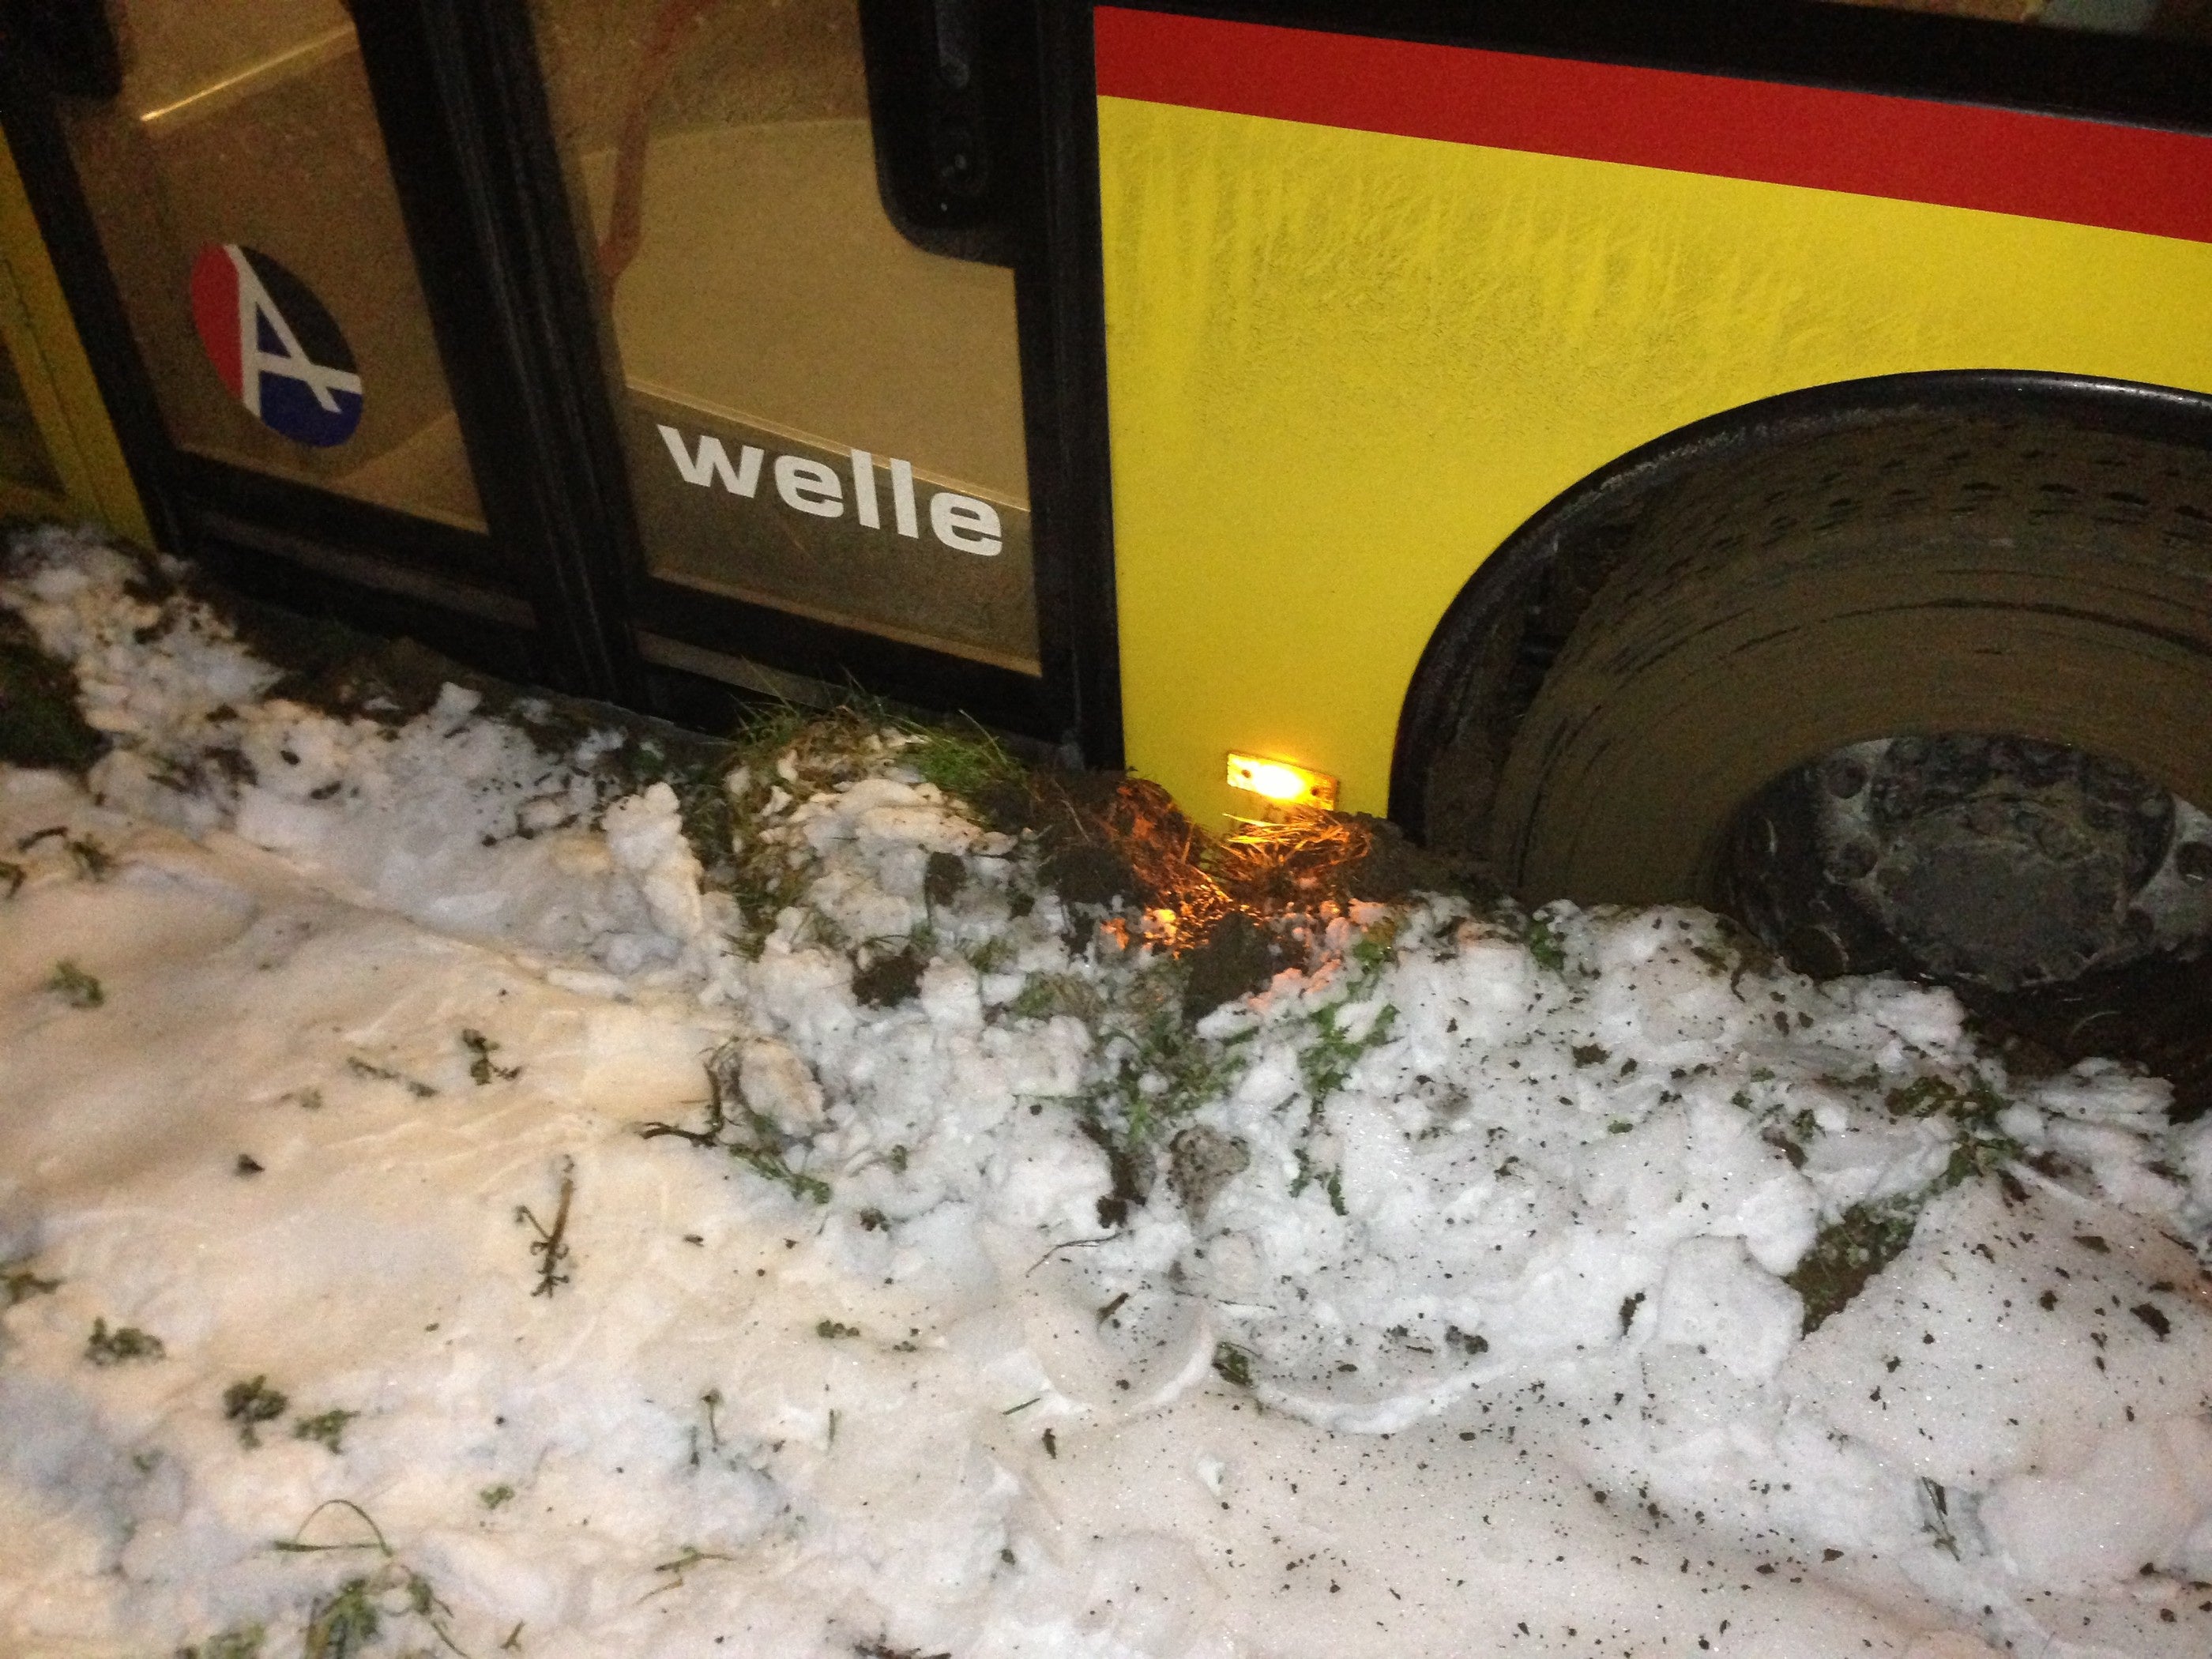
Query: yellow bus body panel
x: 1343, y: 367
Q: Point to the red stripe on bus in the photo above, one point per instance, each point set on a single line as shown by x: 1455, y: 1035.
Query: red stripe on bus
x: 1965, y: 155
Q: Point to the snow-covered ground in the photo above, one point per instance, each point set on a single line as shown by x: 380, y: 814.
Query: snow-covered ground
x: 354, y: 1302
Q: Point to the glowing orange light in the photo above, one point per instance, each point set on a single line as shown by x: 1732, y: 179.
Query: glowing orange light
x: 1281, y: 782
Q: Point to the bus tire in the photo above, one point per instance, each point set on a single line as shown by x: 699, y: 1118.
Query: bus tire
x: 2002, y: 573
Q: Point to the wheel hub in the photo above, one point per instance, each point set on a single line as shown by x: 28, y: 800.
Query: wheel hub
x: 1997, y: 860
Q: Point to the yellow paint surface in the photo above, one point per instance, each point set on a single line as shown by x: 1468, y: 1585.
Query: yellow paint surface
x: 41, y: 339
x: 1344, y: 367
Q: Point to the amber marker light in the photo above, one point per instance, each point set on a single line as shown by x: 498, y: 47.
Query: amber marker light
x: 1281, y: 782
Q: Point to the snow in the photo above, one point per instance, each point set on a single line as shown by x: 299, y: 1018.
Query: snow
x: 1465, y: 1313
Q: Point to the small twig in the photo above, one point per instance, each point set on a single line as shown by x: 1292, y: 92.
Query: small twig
x: 1071, y: 1244
x: 551, y: 1247
x: 92, y: 859
x: 1939, y: 1527
x: 763, y: 1154
x: 716, y: 1119
x: 691, y: 1557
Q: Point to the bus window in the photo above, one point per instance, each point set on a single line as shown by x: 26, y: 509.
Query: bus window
x: 246, y: 209
x: 819, y: 417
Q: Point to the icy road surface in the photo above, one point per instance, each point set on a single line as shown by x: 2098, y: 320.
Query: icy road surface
x: 348, y: 1311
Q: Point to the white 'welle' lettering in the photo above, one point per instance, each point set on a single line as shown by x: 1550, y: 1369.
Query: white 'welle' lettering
x: 864, y: 490
x: 809, y: 487
x: 964, y: 522
x: 804, y: 485
x: 713, y: 463
x: 902, y: 498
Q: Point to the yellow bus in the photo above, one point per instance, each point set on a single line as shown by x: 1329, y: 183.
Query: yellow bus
x: 1753, y: 452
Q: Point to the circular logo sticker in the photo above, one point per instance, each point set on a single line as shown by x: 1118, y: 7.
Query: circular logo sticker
x: 275, y: 346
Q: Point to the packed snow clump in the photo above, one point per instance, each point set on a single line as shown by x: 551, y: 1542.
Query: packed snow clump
x: 445, y: 1205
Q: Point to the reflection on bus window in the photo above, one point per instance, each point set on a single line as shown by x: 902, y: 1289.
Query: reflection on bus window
x: 820, y: 416
x: 2164, y: 17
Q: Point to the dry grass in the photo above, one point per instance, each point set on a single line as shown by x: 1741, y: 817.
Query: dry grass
x: 1125, y: 837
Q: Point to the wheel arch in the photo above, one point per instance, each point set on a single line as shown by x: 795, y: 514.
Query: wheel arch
x: 1489, y: 651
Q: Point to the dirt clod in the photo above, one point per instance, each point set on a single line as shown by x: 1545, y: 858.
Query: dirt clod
x: 39, y: 725
x: 943, y: 878
x: 1237, y: 957
x: 890, y: 980
x: 1201, y: 1161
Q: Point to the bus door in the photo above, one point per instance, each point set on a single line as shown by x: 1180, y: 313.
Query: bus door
x: 579, y: 333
